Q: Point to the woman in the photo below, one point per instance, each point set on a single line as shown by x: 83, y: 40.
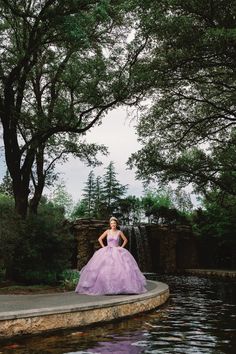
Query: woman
x: 112, y: 269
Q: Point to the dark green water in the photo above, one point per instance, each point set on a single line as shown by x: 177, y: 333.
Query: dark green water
x: 200, y: 317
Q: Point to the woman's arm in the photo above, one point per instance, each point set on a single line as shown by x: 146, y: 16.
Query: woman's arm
x: 101, y: 238
x: 124, y: 238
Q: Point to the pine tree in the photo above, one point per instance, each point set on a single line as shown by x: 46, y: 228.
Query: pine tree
x: 89, y: 194
x: 79, y: 210
x: 112, y: 189
x: 98, y: 198
x: 6, y: 185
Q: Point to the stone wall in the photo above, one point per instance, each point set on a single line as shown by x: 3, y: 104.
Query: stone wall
x: 86, y: 233
x: 215, y: 252
x: 171, y: 249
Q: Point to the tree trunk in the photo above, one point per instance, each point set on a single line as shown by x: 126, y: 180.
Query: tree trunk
x: 19, y: 174
x: 40, y: 183
x: 21, y: 199
x: 33, y: 205
x: 34, y: 202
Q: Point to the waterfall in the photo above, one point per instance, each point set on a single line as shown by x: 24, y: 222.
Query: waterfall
x: 147, y: 248
x: 140, y: 249
x: 128, y: 233
x: 138, y: 245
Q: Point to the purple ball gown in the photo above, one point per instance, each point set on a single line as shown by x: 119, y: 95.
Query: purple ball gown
x: 111, y: 270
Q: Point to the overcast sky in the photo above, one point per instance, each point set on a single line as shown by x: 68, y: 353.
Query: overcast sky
x: 118, y: 134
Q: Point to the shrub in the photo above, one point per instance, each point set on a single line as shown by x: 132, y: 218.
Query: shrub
x: 35, y: 250
x: 69, y: 278
x: 2, y: 273
x: 10, y: 226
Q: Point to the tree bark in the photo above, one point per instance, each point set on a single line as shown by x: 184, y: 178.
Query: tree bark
x: 34, y: 202
x: 40, y: 182
x: 21, y: 201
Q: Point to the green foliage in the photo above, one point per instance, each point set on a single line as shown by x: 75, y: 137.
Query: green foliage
x: 6, y: 185
x: 182, y: 201
x: 10, y: 230
x: 79, y: 210
x: 63, y: 66
x: 215, y: 226
x: 101, y: 195
x: 89, y: 194
x: 58, y: 150
x: 37, y: 249
x: 112, y: 189
x: 159, y: 207
x: 129, y: 210
x: 98, y: 198
x: 217, y: 217
x: 213, y: 168
x: 91, y: 205
x: 69, y: 279
x: 154, y: 204
x: 2, y: 273
x: 62, y: 199
x: 190, y: 77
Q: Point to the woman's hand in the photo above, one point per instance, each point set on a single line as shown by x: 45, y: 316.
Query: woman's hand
x: 101, y: 238
x: 124, y: 239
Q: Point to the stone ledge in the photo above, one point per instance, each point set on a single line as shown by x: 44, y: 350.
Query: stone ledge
x: 91, y: 310
x: 212, y: 272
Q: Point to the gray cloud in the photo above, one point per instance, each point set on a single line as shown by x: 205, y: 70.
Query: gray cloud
x: 117, y: 132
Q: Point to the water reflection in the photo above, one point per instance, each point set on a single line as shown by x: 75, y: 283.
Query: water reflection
x: 198, y: 318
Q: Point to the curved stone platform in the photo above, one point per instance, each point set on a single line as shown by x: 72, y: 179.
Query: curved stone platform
x: 31, y: 314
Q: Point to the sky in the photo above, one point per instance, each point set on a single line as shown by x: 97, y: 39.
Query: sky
x: 117, y: 132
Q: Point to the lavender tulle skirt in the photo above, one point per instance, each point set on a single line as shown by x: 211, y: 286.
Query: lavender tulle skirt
x: 111, y: 270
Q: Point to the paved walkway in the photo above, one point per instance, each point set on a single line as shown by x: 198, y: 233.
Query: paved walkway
x: 28, y: 314
x: 47, y: 302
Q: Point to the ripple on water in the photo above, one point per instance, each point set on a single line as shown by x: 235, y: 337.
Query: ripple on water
x: 199, y: 318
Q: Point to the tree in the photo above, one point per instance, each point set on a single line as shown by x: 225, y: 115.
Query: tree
x: 6, y: 185
x: 166, y: 206
x: 35, y: 250
x: 62, y: 199
x: 63, y: 66
x: 214, y: 224
x: 58, y: 150
x: 98, y: 198
x: 101, y: 195
x: 112, y: 189
x: 205, y: 170
x: 155, y: 204
x: 79, y: 210
x: 89, y: 195
x: 129, y: 209
x: 190, y: 76
x: 182, y: 201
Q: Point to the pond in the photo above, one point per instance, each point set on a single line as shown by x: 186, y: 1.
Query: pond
x: 200, y: 317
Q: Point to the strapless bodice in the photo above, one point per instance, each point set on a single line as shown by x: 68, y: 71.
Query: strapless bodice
x: 113, y: 240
